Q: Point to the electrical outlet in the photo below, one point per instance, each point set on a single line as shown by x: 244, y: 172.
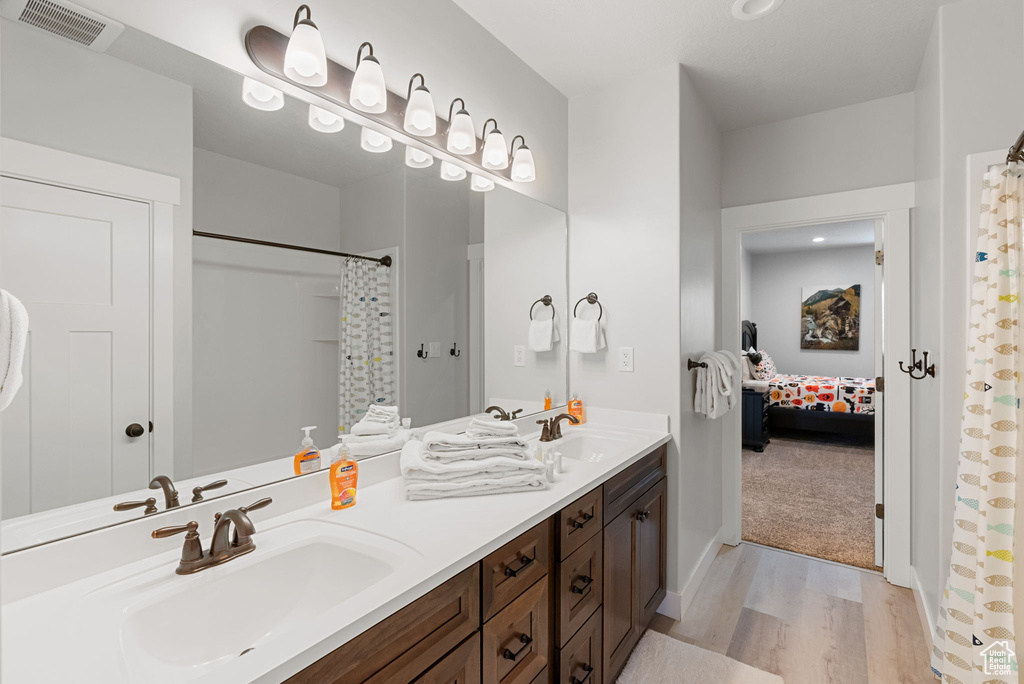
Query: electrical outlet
x: 625, y: 359
x: 518, y: 355
x: 435, y: 350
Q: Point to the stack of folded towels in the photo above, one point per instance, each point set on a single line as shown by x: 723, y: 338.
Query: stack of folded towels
x: 378, y: 432
x: 490, y: 458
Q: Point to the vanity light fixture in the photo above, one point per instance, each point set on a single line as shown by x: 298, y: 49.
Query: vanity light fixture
x: 369, y: 92
x: 261, y: 96
x: 481, y: 184
x: 324, y: 121
x: 461, y: 134
x: 818, y: 239
x: 495, y: 157
x: 372, y: 141
x: 420, y: 118
x: 523, y: 168
x: 305, y: 60
x: 451, y: 172
x: 416, y: 158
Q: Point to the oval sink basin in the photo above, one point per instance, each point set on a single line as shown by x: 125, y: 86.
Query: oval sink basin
x: 590, y: 447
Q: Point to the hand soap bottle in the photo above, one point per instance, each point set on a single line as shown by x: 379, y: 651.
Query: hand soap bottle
x: 547, y: 400
x: 344, y: 478
x: 307, y: 460
x: 576, y: 410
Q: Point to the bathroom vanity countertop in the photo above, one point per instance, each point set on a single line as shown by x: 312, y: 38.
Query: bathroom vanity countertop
x: 107, y: 627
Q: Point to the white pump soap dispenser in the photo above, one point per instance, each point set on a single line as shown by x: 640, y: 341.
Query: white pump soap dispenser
x: 307, y: 460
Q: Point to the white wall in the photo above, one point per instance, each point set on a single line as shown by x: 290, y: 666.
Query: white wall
x: 746, y: 293
x: 59, y: 95
x: 963, y: 106
x: 458, y: 57
x: 860, y: 146
x: 643, y: 235
x: 776, y: 289
x: 524, y: 259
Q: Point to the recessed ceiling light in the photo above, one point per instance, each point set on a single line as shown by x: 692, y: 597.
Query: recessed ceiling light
x: 818, y: 239
x: 747, y: 10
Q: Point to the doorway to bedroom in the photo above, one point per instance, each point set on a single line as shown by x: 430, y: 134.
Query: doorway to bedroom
x: 811, y: 337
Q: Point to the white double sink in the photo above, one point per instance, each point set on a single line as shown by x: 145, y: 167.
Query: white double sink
x: 158, y: 626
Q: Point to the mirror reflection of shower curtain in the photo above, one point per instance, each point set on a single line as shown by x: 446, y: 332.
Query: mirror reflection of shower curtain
x: 366, y: 341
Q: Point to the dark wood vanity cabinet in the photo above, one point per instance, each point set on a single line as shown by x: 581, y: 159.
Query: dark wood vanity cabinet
x: 566, y: 601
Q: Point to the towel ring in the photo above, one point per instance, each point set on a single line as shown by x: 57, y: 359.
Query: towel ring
x: 590, y: 299
x: 546, y: 301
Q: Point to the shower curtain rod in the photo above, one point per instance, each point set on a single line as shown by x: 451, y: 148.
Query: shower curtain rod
x: 1017, y: 151
x: 383, y: 261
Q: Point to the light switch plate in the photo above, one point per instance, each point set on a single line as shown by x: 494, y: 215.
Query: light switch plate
x: 519, y: 355
x: 625, y: 359
x: 435, y: 350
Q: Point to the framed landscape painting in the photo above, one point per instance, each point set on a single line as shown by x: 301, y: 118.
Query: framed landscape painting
x: 830, y: 318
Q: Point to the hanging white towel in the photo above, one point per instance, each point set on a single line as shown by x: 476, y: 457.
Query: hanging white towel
x: 542, y: 335
x: 715, y: 395
x: 13, y: 336
x: 586, y: 337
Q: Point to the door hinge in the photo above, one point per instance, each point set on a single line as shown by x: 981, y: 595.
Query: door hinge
x: 879, y: 257
x: 880, y: 511
x: 880, y: 384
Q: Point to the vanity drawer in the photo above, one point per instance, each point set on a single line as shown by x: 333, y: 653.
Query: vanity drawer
x: 515, y: 567
x: 622, y: 490
x: 402, y: 646
x: 579, y: 587
x: 461, y: 666
x: 517, y: 641
x: 578, y: 522
x: 580, y: 660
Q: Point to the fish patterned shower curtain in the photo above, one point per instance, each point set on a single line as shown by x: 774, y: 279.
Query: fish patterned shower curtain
x: 974, y: 638
x: 367, y: 374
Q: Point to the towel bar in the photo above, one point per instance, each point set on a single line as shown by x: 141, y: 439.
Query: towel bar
x: 590, y: 299
x: 691, y: 364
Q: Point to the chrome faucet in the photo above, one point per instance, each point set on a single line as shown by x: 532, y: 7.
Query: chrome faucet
x: 501, y: 414
x: 552, y: 429
x: 170, y: 493
x: 222, y: 548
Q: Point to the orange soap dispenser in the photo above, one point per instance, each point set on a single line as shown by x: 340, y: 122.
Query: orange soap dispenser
x: 344, y: 478
x: 307, y: 460
x: 576, y: 410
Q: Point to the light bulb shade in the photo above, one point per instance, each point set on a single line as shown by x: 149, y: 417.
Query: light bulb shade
x: 461, y: 134
x: 495, y: 156
x: 417, y: 158
x: 369, y: 93
x: 451, y: 172
x: 420, y: 118
x: 372, y: 141
x: 481, y: 184
x: 324, y: 121
x: 523, y: 168
x: 305, y: 60
x: 261, y: 96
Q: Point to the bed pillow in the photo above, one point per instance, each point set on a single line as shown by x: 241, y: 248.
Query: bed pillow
x: 765, y: 369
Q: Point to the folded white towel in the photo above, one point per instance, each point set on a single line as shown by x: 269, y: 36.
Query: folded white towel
x: 526, y: 482
x: 370, y: 427
x: 441, y: 446
x: 13, y: 336
x: 368, y: 439
x: 359, y: 450
x: 415, y: 467
x: 542, y: 335
x: 715, y: 396
x: 489, y: 427
x: 587, y: 336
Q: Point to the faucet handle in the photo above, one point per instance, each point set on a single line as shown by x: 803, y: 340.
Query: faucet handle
x: 262, y: 503
x: 515, y: 414
x: 191, y: 528
x: 197, y: 492
x: 149, y: 503
x: 545, y: 433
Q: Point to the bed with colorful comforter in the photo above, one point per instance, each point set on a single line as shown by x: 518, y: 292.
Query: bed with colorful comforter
x: 823, y: 393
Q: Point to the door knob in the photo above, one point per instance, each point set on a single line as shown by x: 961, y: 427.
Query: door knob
x: 135, y: 430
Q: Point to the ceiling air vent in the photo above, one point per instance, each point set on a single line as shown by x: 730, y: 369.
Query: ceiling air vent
x: 64, y: 19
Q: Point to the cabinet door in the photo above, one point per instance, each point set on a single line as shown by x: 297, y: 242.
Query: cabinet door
x: 517, y: 642
x: 621, y: 593
x: 461, y: 666
x: 650, y: 551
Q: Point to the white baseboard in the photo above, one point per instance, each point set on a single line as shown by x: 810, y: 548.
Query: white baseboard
x: 927, y: 621
x: 675, y: 604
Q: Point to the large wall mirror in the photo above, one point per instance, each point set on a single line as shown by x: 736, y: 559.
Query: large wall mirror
x: 264, y: 339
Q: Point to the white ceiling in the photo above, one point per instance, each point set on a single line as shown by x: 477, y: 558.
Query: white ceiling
x: 799, y: 238
x: 808, y: 56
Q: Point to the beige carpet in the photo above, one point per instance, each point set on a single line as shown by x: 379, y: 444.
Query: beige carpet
x: 660, y: 659
x: 812, y: 498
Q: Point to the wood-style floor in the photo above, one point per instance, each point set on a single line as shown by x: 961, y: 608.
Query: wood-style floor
x: 809, y: 621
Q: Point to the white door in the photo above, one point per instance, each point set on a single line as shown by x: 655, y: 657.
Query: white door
x: 80, y: 262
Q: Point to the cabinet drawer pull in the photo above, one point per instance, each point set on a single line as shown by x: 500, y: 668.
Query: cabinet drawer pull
x: 587, y: 581
x: 578, y: 524
x: 643, y: 515
x: 509, y: 572
x: 587, y: 669
x: 525, y: 640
